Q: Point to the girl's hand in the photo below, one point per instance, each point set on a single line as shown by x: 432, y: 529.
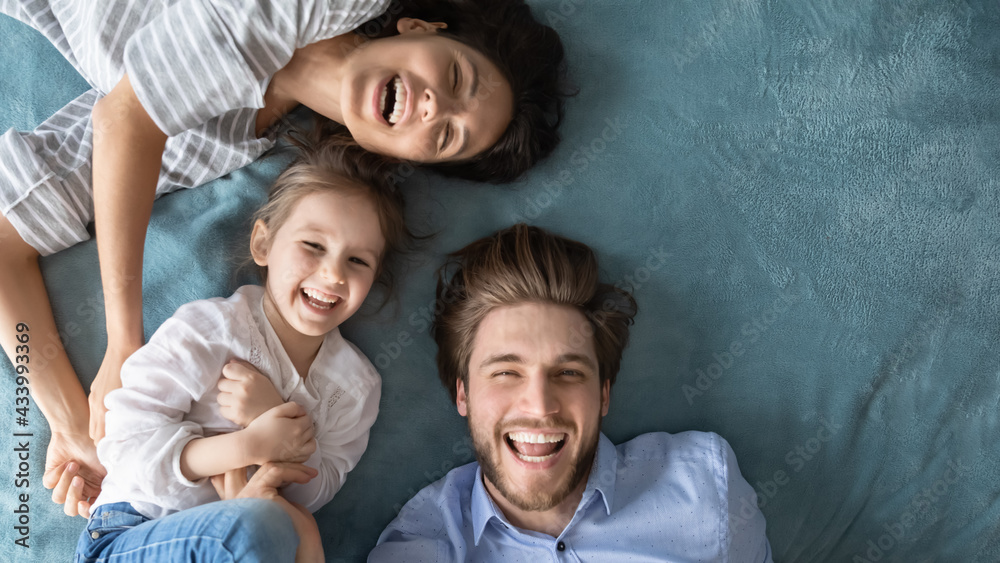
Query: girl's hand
x: 283, y: 433
x: 245, y: 393
x: 108, y: 378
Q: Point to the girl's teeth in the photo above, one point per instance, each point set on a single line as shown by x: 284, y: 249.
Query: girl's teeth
x: 325, y: 302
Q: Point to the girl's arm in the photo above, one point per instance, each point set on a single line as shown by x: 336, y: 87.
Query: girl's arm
x: 341, y: 440
x: 128, y: 150
x: 284, y: 433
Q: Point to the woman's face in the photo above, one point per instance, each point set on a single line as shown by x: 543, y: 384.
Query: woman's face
x: 423, y: 97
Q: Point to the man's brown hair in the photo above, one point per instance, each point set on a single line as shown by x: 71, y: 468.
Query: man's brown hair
x: 522, y: 264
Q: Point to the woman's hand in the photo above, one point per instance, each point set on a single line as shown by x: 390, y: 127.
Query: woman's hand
x: 245, y: 393
x: 73, y: 472
x: 283, y: 433
x: 108, y: 378
x: 264, y: 485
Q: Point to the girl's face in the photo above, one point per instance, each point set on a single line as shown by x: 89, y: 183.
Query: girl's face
x: 321, y: 262
x: 423, y: 97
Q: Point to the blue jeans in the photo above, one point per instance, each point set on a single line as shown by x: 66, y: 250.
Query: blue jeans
x: 252, y: 530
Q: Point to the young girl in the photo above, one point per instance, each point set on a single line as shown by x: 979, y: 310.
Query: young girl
x: 321, y: 241
x: 185, y: 91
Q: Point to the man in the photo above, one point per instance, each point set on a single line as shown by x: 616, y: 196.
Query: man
x: 529, y: 344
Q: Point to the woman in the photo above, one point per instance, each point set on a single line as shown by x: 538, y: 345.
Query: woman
x: 185, y: 91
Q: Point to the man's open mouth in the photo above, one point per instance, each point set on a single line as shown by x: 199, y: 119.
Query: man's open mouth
x: 534, y: 447
x: 393, y: 100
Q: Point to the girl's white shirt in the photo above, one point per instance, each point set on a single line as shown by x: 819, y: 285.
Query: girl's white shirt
x: 168, y: 398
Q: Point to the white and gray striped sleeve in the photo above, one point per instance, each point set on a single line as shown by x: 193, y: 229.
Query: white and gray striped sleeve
x: 201, y: 58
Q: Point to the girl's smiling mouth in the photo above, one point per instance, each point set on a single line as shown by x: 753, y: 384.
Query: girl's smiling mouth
x: 318, y: 300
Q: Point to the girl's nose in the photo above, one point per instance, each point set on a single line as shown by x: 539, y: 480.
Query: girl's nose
x: 333, y: 271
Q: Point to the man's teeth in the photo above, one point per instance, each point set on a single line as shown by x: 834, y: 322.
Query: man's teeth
x: 534, y: 458
x: 397, y: 110
x: 317, y: 296
x: 532, y: 438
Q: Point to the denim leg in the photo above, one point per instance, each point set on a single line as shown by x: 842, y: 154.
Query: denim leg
x: 244, y: 530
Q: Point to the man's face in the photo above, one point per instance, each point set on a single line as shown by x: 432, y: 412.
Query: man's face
x: 534, y: 403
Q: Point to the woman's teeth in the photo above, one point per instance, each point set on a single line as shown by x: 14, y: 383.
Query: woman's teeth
x: 318, y: 300
x: 398, y: 101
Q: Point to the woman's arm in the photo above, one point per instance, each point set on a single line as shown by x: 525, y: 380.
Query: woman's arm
x: 265, y: 484
x: 128, y: 151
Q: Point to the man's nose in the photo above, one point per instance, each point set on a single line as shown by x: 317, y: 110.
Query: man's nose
x: 539, y: 396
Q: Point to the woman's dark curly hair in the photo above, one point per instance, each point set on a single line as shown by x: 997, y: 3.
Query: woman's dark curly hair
x: 530, y: 56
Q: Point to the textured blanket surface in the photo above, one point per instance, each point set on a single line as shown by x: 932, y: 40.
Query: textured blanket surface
x: 804, y: 198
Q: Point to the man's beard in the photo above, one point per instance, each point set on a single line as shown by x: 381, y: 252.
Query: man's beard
x: 489, y: 460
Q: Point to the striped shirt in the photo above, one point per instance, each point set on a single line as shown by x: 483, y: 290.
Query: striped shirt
x: 200, y: 69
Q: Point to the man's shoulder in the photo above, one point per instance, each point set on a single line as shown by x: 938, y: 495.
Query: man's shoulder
x: 656, y: 446
x: 430, y: 521
x: 446, y: 500
x: 662, y: 463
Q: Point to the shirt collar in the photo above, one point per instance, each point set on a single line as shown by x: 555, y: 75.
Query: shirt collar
x: 603, y: 475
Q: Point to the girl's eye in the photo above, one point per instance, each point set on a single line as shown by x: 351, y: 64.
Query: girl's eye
x: 359, y: 261
x: 454, y: 77
x: 312, y: 245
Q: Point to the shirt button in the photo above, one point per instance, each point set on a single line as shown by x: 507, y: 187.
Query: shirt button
x: 561, y: 546
x: 95, y: 535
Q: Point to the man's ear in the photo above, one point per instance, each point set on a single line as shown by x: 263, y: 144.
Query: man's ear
x: 461, y: 400
x: 259, y: 243
x: 410, y: 25
x: 605, y: 397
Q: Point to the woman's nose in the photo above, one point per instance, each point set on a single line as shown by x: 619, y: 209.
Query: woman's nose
x: 434, y: 105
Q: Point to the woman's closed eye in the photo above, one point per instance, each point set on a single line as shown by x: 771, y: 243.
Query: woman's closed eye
x: 446, y: 134
x: 313, y: 245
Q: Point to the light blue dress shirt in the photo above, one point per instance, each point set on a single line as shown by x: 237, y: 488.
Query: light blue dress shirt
x: 660, y: 497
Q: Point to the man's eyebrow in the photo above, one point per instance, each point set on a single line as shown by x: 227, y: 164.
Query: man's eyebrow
x: 501, y: 359
x: 578, y: 358
x: 515, y: 359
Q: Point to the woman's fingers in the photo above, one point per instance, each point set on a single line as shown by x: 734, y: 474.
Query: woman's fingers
x: 61, y: 486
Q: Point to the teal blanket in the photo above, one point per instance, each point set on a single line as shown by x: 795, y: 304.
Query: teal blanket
x: 803, y: 196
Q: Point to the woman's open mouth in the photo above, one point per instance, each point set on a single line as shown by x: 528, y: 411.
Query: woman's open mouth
x: 392, y: 103
x: 534, y: 447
